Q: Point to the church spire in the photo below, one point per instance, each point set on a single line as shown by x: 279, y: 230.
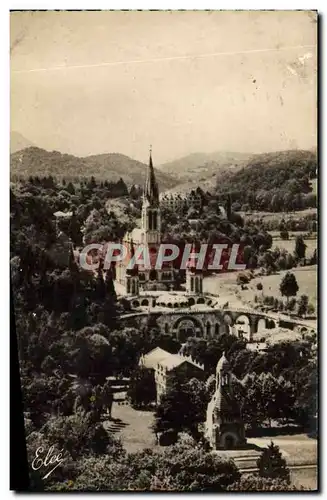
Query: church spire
x: 151, y: 191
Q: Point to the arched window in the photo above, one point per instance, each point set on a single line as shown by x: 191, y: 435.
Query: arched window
x: 153, y: 275
x: 208, y: 328
x: 166, y: 328
x: 217, y: 329
x: 150, y: 219
x: 224, y: 379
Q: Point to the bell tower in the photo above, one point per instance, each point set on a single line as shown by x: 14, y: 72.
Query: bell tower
x: 132, y: 276
x: 194, y: 276
x: 151, y: 217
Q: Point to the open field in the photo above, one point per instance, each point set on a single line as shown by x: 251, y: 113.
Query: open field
x: 297, y: 449
x: 289, y: 245
x: 132, y: 426
x: 268, y: 216
x: 308, y: 478
x: 305, y: 276
x: 226, y: 287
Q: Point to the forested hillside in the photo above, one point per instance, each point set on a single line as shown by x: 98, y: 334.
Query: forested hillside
x: 273, y: 181
x: 112, y: 166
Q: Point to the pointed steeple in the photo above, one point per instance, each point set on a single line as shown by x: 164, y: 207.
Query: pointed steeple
x: 151, y: 191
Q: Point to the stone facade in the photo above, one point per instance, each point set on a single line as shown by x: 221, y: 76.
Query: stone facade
x: 166, y: 366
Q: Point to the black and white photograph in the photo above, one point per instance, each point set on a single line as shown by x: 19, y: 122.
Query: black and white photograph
x: 164, y: 249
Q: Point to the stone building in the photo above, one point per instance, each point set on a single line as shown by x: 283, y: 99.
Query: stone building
x: 166, y: 366
x: 178, y: 202
x: 149, y: 235
x: 224, y: 427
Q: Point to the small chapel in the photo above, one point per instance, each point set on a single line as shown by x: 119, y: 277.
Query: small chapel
x: 224, y: 428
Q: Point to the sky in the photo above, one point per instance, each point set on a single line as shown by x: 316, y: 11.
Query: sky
x: 98, y: 82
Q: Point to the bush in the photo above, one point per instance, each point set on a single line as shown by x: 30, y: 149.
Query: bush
x: 311, y: 309
x: 256, y: 483
x: 242, y: 278
x: 284, y: 234
x: 168, y: 438
x: 272, y: 465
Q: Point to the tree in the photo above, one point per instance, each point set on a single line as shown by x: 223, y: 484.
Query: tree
x: 284, y: 234
x: 184, y: 467
x: 303, y: 305
x: 79, y: 435
x: 314, y: 258
x: 300, y: 248
x: 272, y: 465
x: 311, y: 309
x: 269, y: 391
x: 252, y: 414
x: 142, y: 388
x: 290, y: 261
x: 182, y: 407
x: 289, y: 286
x: 291, y: 304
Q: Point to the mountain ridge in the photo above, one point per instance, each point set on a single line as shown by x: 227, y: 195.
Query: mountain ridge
x: 106, y: 166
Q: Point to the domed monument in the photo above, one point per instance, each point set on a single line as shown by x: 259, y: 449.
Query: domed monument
x: 224, y: 428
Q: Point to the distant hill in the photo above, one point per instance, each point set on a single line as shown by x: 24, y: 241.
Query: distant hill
x: 18, y: 142
x: 199, y: 165
x: 110, y: 166
x: 270, y: 171
x: 202, y: 167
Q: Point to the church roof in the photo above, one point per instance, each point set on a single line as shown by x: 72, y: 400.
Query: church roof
x: 174, y: 360
x: 152, y: 358
x: 225, y: 403
x: 223, y: 364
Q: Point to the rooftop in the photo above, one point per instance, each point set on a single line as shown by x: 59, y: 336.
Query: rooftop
x: 152, y: 358
x: 175, y: 360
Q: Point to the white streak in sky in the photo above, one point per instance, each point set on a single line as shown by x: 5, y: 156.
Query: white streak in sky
x: 159, y: 59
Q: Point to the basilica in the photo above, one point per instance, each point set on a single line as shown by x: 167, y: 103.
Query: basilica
x: 149, y: 278
x: 152, y: 297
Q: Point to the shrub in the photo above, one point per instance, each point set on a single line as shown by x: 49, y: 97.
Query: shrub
x: 242, y: 278
x: 284, y: 234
